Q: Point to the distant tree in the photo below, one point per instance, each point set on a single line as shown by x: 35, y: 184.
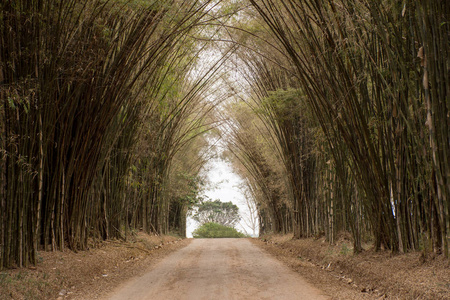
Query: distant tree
x: 214, y: 230
x: 223, y: 213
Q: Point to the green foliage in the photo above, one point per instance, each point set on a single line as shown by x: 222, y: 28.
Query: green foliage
x: 214, y: 230
x: 285, y: 104
x: 224, y: 213
x: 187, y: 189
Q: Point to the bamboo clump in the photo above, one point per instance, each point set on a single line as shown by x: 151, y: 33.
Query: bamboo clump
x: 355, y: 98
x: 83, y: 84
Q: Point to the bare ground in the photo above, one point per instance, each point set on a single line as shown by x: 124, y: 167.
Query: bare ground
x: 218, y: 269
x: 86, y: 274
x: 331, y: 269
x: 369, y: 275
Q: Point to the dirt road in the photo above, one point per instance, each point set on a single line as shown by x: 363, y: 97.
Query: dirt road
x: 218, y: 269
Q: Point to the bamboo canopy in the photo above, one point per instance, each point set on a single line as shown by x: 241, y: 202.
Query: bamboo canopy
x: 337, y: 118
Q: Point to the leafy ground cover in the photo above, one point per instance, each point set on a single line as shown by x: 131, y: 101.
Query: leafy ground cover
x: 368, y: 275
x: 87, y: 274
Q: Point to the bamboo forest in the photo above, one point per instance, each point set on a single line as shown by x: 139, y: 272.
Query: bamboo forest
x: 335, y: 114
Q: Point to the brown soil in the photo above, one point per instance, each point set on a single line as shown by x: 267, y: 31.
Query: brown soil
x: 332, y: 269
x: 369, y: 275
x: 87, y: 274
x: 218, y: 269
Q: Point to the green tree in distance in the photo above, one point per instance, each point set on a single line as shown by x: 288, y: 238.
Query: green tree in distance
x: 223, y: 213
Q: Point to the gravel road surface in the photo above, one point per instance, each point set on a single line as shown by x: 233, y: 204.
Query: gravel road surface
x: 218, y: 269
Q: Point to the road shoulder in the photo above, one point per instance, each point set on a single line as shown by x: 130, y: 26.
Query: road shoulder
x: 369, y: 275
x: 87, y: 274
